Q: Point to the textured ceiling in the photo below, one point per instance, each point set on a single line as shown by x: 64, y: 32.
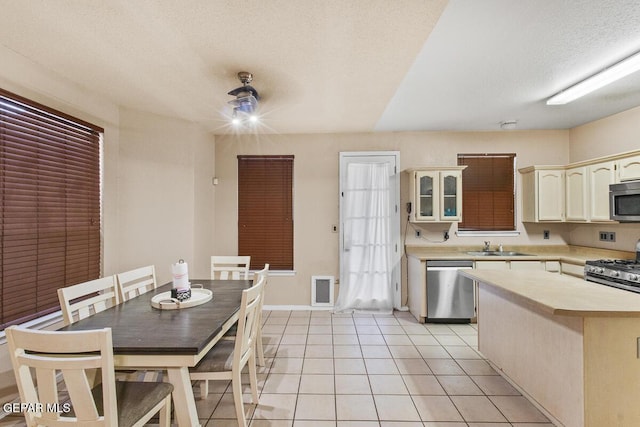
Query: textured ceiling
x: 335, y: 65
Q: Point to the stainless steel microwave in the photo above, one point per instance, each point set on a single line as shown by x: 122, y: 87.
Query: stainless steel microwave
x: 624, y: 201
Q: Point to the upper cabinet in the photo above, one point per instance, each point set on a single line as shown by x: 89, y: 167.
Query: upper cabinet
x: 436, y: 194
x: 578, y: 192
x: 601, y: 175
x: 629, y: 168
x: 543, y: 190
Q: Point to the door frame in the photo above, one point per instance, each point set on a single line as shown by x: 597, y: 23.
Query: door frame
x: 394, y: 208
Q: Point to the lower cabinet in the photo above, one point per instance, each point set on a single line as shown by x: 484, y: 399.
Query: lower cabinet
x: 552, y: 266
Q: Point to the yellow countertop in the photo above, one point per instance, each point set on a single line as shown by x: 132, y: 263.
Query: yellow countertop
x: 559, y: 294
x: 565, y: 253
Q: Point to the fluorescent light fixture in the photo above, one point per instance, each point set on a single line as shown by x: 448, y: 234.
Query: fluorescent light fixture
x: 595, y: 82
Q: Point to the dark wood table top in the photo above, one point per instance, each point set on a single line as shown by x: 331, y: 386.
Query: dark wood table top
x: 138, y: 328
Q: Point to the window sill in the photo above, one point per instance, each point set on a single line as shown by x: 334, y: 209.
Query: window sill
x: 488, y: 233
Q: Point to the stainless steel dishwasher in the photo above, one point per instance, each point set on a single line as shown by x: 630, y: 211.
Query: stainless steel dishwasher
x: 450, y: 296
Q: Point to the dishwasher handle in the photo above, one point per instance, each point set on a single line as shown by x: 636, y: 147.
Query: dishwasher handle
x: 449, y: 264
x: 448, y: 268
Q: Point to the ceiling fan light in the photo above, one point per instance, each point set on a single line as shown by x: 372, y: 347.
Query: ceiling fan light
x: 595, y: 82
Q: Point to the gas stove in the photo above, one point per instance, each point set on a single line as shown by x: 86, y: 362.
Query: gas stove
x: 619, y: 273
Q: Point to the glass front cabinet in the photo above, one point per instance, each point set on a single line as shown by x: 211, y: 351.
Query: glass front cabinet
x: 436, y: 194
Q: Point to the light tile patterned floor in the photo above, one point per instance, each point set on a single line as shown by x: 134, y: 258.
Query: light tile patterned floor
x: 334, y: 370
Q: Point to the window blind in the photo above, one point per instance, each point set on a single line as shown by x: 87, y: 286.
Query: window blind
x: 487, y: 192
x: 50, y: 206
x: 265, y: 210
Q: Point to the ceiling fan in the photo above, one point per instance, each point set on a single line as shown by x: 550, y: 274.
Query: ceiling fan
x: 246, y: 102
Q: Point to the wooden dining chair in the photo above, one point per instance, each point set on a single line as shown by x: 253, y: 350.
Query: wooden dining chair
x: 226, y: 359
x: 231, y: 333
x: 75, y: 356
x: 230, y: 267
x: 136, y: 282
x: 96, y: 295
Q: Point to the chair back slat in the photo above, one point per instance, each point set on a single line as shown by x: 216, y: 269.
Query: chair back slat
x: 105, y: 295
x: 230, y: 267
x: 136, y: 282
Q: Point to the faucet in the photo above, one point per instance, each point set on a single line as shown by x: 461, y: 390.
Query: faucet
x: 486, y: 246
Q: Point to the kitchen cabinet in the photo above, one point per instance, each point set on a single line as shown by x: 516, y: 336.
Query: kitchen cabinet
x: 629, y: 168
x: 527, y: 265
x: 514, y: 265
x: 436, y: 194
x: 601, y: 175
x: 492, y: 265
x: 577, y: 194
x: 543, y: 194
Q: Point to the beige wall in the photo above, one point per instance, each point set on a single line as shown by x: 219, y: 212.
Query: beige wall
x: 316, y: 202
x: 165, y: 194
x: 611, y: 135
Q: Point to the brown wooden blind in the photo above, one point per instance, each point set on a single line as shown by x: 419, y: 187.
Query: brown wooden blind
x: 487, y: 192
x: 50, y: 206
x: 265, y: 210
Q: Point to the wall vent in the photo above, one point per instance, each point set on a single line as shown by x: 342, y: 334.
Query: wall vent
x: 322, y: 290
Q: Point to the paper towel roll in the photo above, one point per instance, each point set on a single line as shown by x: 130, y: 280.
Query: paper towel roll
x: 180, y: 272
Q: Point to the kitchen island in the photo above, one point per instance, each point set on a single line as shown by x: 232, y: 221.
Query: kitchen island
x: 571, y: 346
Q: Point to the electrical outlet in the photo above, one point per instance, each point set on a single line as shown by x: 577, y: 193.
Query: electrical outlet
x: 607, y: 236
x: 418, y: 233
x: 545, y: 234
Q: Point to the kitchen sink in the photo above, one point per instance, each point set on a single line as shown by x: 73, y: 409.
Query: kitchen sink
x: 497, y: 253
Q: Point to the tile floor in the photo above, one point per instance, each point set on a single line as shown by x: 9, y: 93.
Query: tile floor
x: 329, y: 370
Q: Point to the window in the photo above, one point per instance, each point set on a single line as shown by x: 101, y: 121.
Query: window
x: 488, y: 195
x: 49, y: 206
x: 265, y: 211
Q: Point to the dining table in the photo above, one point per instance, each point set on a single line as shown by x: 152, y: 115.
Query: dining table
x: 145, y: 337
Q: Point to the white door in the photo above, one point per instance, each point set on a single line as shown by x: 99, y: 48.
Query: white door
x: 370, y: 246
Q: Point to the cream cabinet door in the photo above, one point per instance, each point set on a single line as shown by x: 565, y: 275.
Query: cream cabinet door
x: 427, y: 190
x: 629, y: 168
x: 577, y: 194
x: 601, y: 175
x: 550, y: 195
x: 451, y: 195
